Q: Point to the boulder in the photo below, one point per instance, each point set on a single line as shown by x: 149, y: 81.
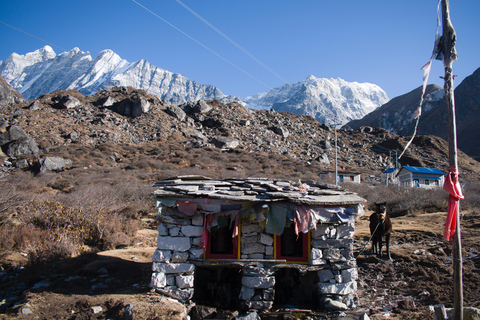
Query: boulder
x: 53, y: 164
x: 225, y: 143
x: 12, y: 133
x: 177, y: 113
x: 133, y: 107
x: 201, y: 107
x: 67, y: 102
x: 334, y: 305
x: 20, y: 147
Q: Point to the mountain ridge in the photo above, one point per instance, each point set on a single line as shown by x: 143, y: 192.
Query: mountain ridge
x: 43, y: 71
x: 397, y: 114
x: 323, y: 99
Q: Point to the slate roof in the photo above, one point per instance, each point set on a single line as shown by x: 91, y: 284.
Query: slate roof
x: 255, y: 190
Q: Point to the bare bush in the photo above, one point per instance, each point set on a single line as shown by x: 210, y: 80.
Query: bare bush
x: 402, y: 200
x: 48, y: 230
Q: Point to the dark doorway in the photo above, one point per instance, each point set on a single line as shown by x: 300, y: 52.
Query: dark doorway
x: 295, y: 289
x: 217, y: 286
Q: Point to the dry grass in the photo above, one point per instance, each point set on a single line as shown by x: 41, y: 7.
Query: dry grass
x: 98, y: 202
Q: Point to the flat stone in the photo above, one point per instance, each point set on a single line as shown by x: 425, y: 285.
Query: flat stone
x: 184, y: 282
x: 266, y: 239
x: 161, y: 255
x: 258, y: 282
x: 325, y: 275
x: 250, y: 248
x: 173, y: 243
x: 173, y: 267
x: 197, y: 220
x: 337, y: 288
x: 179, y: 257
x: 158, y: 280
x: 196, y: 253
x: 333, y: 305
x: 246, y: 293
x: 320, y: 231
x: 192, y: 231
x: 316, y: 253
x: 350, y: 274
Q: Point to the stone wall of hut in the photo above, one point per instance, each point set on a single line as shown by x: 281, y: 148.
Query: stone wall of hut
x: 328, y: 277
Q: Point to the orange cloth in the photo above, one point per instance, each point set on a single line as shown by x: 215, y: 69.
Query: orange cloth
x: 452, y: 186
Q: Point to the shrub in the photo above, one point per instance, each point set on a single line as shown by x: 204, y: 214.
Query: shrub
x: 401, y: 200
x: 48, y: 230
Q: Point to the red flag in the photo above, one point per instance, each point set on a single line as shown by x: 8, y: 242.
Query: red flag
x: 452, y: 186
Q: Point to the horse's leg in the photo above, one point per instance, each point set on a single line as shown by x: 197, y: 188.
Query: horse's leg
x: 374, y: 245
x: 387, y: 240
x: 379, y: 252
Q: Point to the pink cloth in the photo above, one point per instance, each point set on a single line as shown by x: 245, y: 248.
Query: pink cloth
x: 301, y: 219
x: 187, y: 207
x: 207, y: 220
x: 452, y: 186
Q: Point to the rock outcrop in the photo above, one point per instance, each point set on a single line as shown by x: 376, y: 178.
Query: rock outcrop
x: 8, y: 95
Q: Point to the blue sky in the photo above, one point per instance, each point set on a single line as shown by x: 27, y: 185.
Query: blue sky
x: 375, y: 41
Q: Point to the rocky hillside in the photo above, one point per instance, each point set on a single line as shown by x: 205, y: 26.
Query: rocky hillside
x: 123, y: 127
x: 396, y: 115
x: 7, y: 94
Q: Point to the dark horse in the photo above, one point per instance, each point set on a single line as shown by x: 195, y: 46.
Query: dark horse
x: 380, y: 226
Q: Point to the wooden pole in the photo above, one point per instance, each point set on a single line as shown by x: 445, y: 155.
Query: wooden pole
x: 450, y: 55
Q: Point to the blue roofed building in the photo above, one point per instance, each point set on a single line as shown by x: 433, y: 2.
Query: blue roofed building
x: 420, y: 177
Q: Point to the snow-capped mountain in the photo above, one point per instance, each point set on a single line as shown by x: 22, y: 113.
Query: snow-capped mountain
x: 43, y: 71
x: 322, y: 99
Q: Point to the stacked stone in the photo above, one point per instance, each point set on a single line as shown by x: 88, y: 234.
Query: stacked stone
x: 255, y: 243
x: 179, y: 241
x: 257, y: 287
x: 332, y: 248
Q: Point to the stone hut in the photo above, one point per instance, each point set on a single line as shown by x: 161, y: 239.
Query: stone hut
x: 254, y: 243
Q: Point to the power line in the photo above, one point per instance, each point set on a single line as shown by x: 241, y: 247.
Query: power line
x: 231, y: 41
x: 198, y: 42
x: 31, y: 35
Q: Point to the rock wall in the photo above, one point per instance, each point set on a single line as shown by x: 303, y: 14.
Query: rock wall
x: 332, y: 265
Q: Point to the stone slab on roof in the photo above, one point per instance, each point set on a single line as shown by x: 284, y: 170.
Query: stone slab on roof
x: 256, y: 190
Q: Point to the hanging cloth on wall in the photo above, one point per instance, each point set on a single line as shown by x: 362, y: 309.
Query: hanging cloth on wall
x: 302, y: 219
x: 187, y: 207
x: 276, y: 219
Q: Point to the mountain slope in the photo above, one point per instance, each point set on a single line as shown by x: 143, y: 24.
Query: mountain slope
x: 43, y: 71
x: 322, y: 99
x: 397, y: 115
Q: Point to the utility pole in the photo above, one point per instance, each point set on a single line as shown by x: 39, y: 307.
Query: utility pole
x: 336, y: 167
x: 449, y: 56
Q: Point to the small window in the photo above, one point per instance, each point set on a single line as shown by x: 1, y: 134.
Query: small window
x: 416, y: 182
x: 291, y: 248
x: 427, y: 182
x: 220, y: 241
x: 352, y: 178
